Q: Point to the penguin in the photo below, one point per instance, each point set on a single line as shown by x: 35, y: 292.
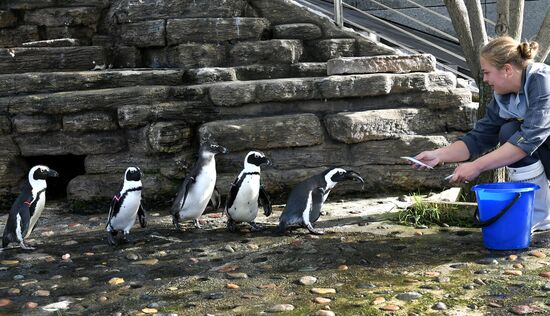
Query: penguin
x: 304, y: 203
x: 198, y: 187
x: 28, y: 207
x: 126, y: 206
x: 247, y: 193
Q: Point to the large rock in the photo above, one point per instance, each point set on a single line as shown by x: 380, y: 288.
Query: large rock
x: 186, y: 56
x: 357, y: 127
x: 259, y: 133
x: 11, y: 37
x: 210, y: 74
x: 60, y: 143
x: 5, y: 125
x: 215, y: 29
x: 77, y: 101
x: 38, y: 4
x: 36, y: 123
x: 169, y: 137
x: 89, y: 121
x: 63, y: 16
x: 355, y: 86
x: 377, y: 64
x: 40, y: 82
x: 323, y: 50
x: 50, y: 58
x: 126, y: 11
x: 7, y: 19
x: 144, y: 34
x: 302, y: 31
x: 192, y: 112
x: 266, y: 52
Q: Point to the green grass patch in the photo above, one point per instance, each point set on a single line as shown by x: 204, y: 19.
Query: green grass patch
x: 424, y: 212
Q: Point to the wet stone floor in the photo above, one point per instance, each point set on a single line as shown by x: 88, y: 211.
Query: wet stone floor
x: 363, y: 265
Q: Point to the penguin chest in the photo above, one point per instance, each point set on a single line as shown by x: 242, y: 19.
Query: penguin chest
x: 38, y: 205
x: 245, y: 206
x: 127, y: 213
x: 199, y: 194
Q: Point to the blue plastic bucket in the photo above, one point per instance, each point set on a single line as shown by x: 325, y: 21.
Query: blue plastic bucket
x: 505, y: 210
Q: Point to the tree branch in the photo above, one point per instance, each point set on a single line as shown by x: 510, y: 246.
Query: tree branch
x: 477, y: 25
x: 503, y: 11
x: 516, y: 18
x: 543, y: 38
x: 459, y: 17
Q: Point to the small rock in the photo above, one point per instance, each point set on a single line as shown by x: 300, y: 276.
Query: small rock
x: 513, y: 272
x: 132, y: 257
x: 280, y: 308
x: 439, y: 306
x: 512, y: 257
x: 231, y: 286
x: 267, y: 286
x: 494, y: 304
x: 479, y: 281
x: 102, y: 299
x: 30, y: 305
x: 488, y: 261
x: 378, y: 300
x: 48, y: 233
x: 432, y: 273
x: 409, y: 296
x: 70, y: 243
x: 322, y: 300
x: 43, y: 293
x: 443, y: 279
x: 343, y: 267
x: 66, y: 256
x: 148, y: 310
x: 546, y: 287
x: 538, y: 254
x: 319, y: 290
x: 9, y: 262
x: 237, y: 275
x: 459, y: 265
x: 18, y: 277
x: 545, y: 274
x: 215, y: 296
x: 4, y: 302
x: 307, y: 280
x: 228, y: 248
x: 390, y: 308
x: 116, y: 281
x: 518, y: 266
x: 526, y: 309
x: 14, y: 291
x: 324, y: 312
x: 468, y: 286
x: 147, y: 262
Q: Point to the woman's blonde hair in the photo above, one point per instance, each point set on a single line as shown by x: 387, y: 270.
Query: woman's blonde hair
x: 506, y: 50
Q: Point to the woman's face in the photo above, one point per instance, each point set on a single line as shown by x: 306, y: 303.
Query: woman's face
x: 498, y: 79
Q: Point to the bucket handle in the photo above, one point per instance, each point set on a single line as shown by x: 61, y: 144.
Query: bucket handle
x: 495, y: 218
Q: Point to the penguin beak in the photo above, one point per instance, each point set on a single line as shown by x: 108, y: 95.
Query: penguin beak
x: 222, y: 150
x: 352, y: 175
x: 52, y: 173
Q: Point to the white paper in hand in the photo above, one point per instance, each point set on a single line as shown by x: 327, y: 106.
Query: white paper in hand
x: 417, y: 162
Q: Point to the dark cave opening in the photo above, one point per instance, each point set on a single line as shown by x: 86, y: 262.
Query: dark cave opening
x: 68, y: 167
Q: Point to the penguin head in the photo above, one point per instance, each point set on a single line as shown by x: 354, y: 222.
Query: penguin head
x: 132, y: 174
x: 41, y: 172
x: 336, y: 175
x: 209, y: 148
x: 256, y: 158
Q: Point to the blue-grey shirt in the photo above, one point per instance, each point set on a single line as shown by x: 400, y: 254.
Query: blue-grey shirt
x: 531, y: 106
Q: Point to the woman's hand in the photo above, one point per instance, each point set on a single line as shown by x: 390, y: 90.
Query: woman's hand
x: 430, y: 157
x: 466, y: 172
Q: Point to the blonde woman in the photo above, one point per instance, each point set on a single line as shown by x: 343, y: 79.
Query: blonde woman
x: 517, y: 117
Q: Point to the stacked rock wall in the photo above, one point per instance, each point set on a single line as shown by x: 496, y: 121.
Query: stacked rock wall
x: 251, y: 75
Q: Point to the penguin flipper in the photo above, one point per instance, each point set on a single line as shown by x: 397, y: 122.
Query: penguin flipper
x: 264, y: 201
x: 141, y: 216
x: 232, y: 194
x: 182, y: 194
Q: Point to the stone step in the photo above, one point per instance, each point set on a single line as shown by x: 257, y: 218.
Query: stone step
x: 42, y: 82
x: 382, y: 64
x: 23, y: 59
x: 40, y: 4
x: 438, y: 89
x: 364, y: 126
x: 254, y: 72
x: 87, y: 100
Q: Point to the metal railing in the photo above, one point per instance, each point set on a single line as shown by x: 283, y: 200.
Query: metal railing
x: 338, y: 15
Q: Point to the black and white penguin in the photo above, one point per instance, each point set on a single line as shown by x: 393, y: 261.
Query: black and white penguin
x: 28, y: 207
x: 198, y: 186
x: 247, y: 193
x: 304, y: 203
x: 126, y: 206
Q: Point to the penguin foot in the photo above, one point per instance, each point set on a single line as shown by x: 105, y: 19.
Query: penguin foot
x: 26, y: 247
x: 314, y: 231
x: 126, y: 238
x: 111, y: 239
x: 231, y: 225
x: 176, y: 223
x: 197, y: 224
x: 255, y: 227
